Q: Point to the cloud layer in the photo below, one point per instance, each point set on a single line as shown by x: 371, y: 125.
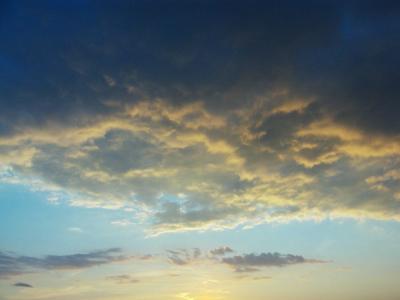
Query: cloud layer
x: 285, y: 111
x: 182, y: 167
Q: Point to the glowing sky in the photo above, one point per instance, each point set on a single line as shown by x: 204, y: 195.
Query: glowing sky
x: 199, y: 150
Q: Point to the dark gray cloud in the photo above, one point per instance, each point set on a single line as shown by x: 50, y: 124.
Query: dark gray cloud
x: 11, y: 264
x: 221, y: 250
x: 252, y: 262
x: 23, y: 284
x: 342, y: 52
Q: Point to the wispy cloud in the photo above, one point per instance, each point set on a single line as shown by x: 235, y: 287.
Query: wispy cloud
x: 183, y: 256
x: 11, y: 264
x: 252, y: 262
x: 244, y: 263
x: 121, y: 223
x: 75, y: 229
x: 123, y: 279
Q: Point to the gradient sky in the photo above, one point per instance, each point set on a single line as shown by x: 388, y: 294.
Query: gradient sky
x: 199, y: 150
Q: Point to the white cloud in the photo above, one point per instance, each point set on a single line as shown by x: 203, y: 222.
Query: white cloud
x: 121, y: 223
x: 75, y: 229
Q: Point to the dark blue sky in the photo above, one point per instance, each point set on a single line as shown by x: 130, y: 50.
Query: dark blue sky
x: 54, y: 54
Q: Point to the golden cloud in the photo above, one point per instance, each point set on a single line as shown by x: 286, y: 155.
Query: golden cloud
x: 181, y: 167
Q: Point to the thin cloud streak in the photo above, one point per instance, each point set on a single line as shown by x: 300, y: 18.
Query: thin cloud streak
x: 11, y: 264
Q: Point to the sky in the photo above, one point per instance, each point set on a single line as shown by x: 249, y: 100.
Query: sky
x: 199, y: 150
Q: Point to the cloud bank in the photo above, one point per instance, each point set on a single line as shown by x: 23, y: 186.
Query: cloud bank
x: 286, y: 111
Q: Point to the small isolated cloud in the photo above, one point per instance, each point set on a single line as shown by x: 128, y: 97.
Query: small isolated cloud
x: 23, y: 284
x: 121, y: 223
x: 221, y: 250
x: 252, y: 262
x: 75, y: 229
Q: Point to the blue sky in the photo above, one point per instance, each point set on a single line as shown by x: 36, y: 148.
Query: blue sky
x: 352, y: 248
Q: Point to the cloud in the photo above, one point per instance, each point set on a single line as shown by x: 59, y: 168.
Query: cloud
x: 257, y: 122
x: 178, y: 260
x: 220, y: 251
x: 75, y: 229
x: 249, y: 53
x: 121, y: 223
x: 182, y: 176
x: 244, y: 263
x: 252, y: 262
x: 123, y: 279
x: 23, y: 284
x: 11, y: 264
x: 183, y: 257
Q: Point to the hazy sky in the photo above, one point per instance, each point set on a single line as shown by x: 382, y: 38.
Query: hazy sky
x: 199, y: 150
